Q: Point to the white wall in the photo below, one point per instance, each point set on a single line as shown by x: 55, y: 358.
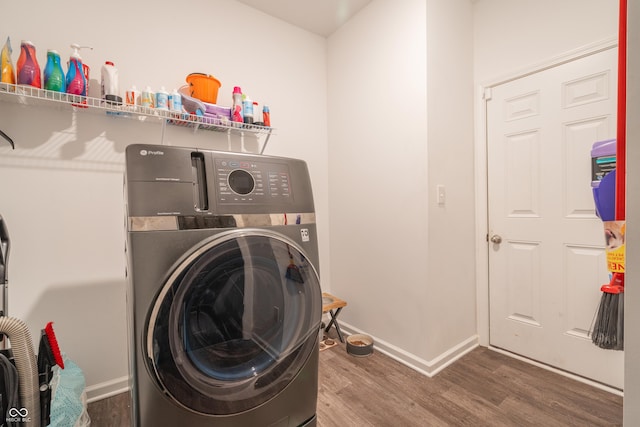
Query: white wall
x: 510, y: 35
x: 451, y: 275
x: 394, y: 132
x: 62, y: 187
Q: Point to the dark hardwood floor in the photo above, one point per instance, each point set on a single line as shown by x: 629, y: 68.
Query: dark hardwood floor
x: 484, y: 388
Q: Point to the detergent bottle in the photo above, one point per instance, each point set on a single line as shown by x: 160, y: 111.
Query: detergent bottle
x: 236, y: 109
x: 8, y: 75
x: 76, y: 80
x: 54, y: 79
x: 28, y: 67
x: 109, y: 83
x: 247, y: 110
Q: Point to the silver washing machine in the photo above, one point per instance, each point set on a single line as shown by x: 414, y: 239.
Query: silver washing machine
x: 224, y: 298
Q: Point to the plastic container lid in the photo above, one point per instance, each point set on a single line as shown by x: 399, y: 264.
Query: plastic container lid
x: 604, y: 148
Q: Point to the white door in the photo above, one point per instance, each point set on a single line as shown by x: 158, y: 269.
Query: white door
x: 545, y: 275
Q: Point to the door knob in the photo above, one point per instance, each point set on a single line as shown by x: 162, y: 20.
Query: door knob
x: 496, y: 239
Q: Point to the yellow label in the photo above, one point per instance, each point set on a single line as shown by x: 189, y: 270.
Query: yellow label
x: 614, y: 233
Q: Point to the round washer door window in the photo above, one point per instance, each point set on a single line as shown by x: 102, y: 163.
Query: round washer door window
x: 235, y: 322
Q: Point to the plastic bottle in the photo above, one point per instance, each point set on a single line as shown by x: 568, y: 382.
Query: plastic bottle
x: 175, y: 101
x: 76, y: 79
x: 28, y: 67
x: 54, y: 78
x: 236, y: 109
x: 8, y: 74
x: 109, y: 89
x: 162, y: 99
x: 257, y: 114
x: 247, y: 110
x: 266, y: 116
x: 131, y: 97
x: 147, y: 98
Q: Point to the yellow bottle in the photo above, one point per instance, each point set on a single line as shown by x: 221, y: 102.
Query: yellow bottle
x: 8, y: 74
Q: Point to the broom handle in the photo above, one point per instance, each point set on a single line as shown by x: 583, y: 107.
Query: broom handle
x: 621, y: 150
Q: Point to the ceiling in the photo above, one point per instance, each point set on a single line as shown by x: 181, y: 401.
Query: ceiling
x: 321, y: 17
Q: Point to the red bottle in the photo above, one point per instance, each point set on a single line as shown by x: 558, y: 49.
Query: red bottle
x: 28, y: 67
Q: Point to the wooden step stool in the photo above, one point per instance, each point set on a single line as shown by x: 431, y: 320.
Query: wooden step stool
x: 333, y: 305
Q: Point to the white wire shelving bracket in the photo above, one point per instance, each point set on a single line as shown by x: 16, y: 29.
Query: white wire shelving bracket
x: 29, y: 95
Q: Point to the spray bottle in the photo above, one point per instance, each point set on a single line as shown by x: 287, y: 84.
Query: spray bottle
x: 53, y: 74
x: 78, y: 73
x: 28, y: 68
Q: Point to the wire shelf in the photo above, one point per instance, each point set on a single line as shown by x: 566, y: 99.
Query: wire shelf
x: 29, y: 95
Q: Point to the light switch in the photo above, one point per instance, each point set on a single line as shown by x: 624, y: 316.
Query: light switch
x: 442, y: 195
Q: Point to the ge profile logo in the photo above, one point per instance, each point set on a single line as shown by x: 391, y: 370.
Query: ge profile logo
x: 15, y: 415
x: 151, y: 153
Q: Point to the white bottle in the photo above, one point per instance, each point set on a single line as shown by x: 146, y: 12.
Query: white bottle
x: 175, y: 101
x: 109, y: 83
x: 257, y: 114
x: 162, y: 99
x: 147, y: 98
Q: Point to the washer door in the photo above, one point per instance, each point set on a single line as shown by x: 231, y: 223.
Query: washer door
x: 235, y: 322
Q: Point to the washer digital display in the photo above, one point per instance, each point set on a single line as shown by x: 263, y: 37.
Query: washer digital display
x: 241, y: 181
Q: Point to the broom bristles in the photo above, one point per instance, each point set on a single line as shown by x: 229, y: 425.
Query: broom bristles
x: 608, y: 327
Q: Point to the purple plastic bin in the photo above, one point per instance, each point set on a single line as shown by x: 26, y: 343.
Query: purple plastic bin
x: 604, y: 196
x: 603, y: 160
x: 218, y: 111
x: 603, y: 178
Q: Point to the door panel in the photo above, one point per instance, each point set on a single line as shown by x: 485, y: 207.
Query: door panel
x: 546, y: 273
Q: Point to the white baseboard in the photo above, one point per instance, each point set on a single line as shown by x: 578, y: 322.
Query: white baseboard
x: 425, y: 367
x: 107, y: 389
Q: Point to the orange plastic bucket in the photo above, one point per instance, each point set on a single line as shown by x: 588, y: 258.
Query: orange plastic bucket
x: 203, y: 87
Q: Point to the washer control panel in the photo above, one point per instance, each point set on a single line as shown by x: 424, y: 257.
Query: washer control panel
x: 249, y: 181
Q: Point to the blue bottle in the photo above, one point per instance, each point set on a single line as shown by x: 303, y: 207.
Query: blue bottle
x: 54, y: 78
x: 75, y: 80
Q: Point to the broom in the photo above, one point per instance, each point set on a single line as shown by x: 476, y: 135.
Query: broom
x: 608, y: 329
